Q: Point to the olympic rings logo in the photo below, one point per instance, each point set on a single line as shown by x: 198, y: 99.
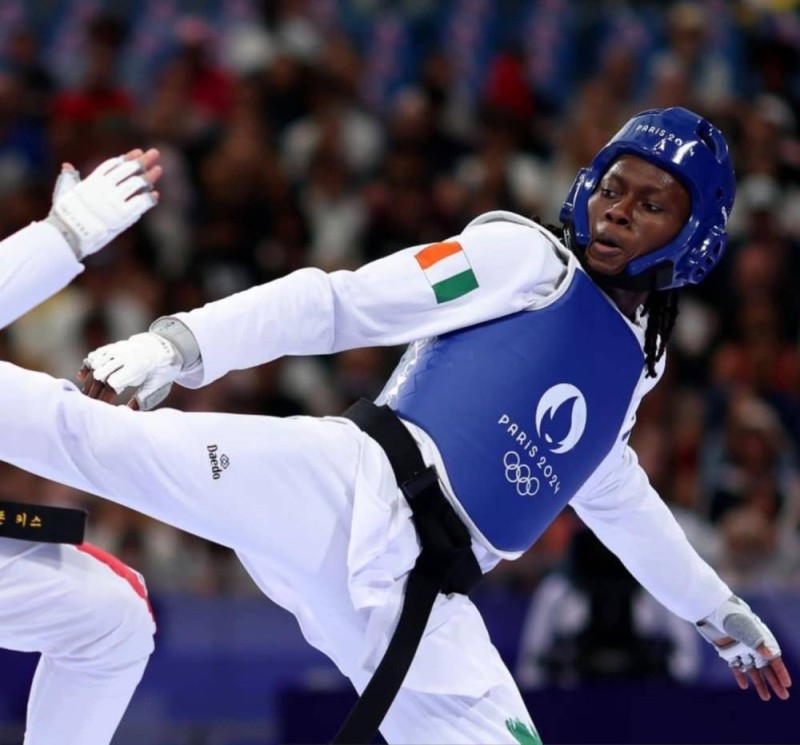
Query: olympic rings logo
x: 519, y: 474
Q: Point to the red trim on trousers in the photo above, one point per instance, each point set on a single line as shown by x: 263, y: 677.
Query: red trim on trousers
x: 119, y: 568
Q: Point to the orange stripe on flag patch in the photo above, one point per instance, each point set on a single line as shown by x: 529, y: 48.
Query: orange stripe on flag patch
x: 436, y: 252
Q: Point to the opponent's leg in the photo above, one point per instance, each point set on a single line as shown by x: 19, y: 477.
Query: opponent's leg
x: 95, y: 634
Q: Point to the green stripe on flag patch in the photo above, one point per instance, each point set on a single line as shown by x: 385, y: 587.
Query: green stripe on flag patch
x: 455, y: 286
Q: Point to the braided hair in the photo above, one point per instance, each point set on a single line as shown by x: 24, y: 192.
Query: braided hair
x: 661, y: 307
x: 662, y: 310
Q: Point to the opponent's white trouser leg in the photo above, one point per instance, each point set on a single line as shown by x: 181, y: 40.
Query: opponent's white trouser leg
x: 278, y: 491
x: 95, y: 635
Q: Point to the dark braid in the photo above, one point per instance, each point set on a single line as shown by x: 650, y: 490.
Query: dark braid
x: 662, y: 309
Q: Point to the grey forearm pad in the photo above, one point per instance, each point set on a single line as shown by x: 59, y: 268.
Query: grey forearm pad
x: 179, y: 334
x: 66, y: 231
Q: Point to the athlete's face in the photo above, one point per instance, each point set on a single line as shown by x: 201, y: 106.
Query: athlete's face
x: 636, y: 208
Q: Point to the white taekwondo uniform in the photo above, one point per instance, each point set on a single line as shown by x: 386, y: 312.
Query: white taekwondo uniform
x: 311, y: 505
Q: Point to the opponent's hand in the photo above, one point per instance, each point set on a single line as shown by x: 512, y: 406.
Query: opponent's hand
x: 743, y: 640
x: 147, y: 361
x: 91, y: 213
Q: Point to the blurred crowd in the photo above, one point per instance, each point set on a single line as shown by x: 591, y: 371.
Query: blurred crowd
x: 325, y: 133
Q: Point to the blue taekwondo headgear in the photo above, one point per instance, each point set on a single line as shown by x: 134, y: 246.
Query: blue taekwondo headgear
x: 695, y: 152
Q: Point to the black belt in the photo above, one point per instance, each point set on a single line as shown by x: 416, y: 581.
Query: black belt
x: 445, y: 564
x: 34, y: 522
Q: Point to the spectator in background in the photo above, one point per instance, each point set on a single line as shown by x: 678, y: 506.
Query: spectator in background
x: 591, y: 622
x: 750, y: 463
x: 413, y: 123
x: 336, y: 124
x: 204, y: 85
x: 751, y: 491
x: 500, y: 174
x: 759, y: 358
x: 335, y: 212
x: 586, y: 125
x: 757, y: 555
x: 80, y: 114
x: 23, y: 60
x: 22, y: 143
x: 772, y: 62
x: 507, y: 88
x: 690, y: 52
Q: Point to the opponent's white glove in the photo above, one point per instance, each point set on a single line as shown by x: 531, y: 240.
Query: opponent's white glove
x: 742, y: 633
x: 91, y: 213
x: 146, y: 361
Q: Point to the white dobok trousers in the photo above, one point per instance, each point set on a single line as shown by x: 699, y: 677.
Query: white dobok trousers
x: 88, y: 616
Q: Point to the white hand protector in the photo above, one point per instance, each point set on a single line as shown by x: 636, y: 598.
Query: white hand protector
x: 735, y: 620
x: 146, y: 361
x: 92, y: 212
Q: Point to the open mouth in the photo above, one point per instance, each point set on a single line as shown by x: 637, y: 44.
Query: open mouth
x: 604, y: 245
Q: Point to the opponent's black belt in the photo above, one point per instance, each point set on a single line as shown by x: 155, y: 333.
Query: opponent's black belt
x: 34, y: 522
x: 445, y: 564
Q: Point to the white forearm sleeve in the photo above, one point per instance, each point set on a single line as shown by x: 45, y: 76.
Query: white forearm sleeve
x: 629, y: 517
x: 259, y: 325
x: 35, y: 263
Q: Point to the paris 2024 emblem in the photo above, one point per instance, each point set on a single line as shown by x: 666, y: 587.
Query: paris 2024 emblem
x: 559, y: 421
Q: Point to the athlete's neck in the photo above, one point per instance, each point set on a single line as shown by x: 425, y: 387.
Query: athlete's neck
x: 628, y: 301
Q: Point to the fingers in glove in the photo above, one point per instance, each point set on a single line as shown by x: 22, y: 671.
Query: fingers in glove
x: 759, y: 683
x: 152, y: 171
x: 741, y: 678
x: 124, y: 170
x: 120, y: 379
x: 772, y: 678
x: 103, y: 367
x: 91, y: 386
x: 149, y: 158
x: 98, y: 390
x: 144, y: 201
x: 140, y: 175
x: 133, y: 154
x: 143, y: 163
x: 109, y: 165
x: 780, y: 670
x: 776, y: 673
x: 134, y: 185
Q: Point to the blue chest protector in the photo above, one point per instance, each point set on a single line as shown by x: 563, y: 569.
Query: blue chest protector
x: 524, y: 408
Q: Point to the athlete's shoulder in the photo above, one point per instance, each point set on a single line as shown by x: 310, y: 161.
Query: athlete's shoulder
x: 536, y: 237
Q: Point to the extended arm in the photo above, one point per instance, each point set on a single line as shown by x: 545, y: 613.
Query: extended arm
x: 44, y: 257
x: 486, y: 272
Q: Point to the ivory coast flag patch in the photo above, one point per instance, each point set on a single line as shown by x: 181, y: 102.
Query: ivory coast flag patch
x: 446, y: 267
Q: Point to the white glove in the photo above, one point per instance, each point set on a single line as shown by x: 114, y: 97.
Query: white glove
x: 146, y: 361
x: 91, y: 213
x: 744, y: 631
